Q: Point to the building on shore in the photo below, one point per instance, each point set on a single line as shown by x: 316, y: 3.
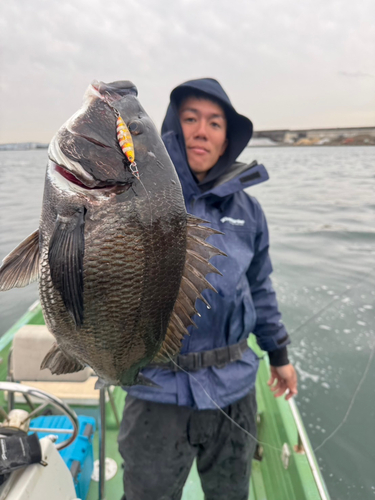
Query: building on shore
x: 359, y: 136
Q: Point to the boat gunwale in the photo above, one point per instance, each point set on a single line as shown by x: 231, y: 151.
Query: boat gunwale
x: 308, y: 449
x: 24, y: 319
x: 285, y: 410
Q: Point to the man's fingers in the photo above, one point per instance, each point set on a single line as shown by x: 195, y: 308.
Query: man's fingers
x: 280, y: 392
x: 292, y: 386
x: 283, y: 380
x: 293, y: 389
x: 279, y: 388
x: 290, y: 395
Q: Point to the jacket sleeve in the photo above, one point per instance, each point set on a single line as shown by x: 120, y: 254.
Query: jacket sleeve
x: 269, y: 329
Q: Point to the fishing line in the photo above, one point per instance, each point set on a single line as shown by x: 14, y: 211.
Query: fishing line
x: 222, y: 411
x: 352, y: 400
x: 263, y: 443
x: 337, y: 297
x: 363, y: 378
x: 365, y: 373
x: 151, y: 219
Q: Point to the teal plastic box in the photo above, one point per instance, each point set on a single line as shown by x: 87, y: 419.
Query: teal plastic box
x: 79, y: 456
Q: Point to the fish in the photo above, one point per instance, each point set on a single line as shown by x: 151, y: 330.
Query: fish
x: 120, y: 262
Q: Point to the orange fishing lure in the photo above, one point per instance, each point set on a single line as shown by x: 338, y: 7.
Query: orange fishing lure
x: 126, y: 143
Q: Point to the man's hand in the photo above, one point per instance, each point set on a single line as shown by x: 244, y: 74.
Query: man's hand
x: 283, y: 378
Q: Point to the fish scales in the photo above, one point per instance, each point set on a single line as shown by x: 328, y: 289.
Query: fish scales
x: 116, y: 251
x: 130, y: 279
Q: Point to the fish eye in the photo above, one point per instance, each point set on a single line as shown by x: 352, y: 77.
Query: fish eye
x: 136, y: 127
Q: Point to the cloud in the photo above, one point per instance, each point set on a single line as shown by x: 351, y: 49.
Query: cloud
x: 277, y: 59
x: 355, y: 74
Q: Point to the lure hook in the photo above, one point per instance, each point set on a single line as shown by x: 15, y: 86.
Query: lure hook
x: 124, y: 138
x: 126, y: 144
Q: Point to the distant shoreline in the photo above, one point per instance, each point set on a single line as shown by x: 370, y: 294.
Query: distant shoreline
x: 23, y: 146
x: 249, y: 146
x: 355, y: 136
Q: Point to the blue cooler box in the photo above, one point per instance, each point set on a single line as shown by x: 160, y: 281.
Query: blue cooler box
x: 79, y: 456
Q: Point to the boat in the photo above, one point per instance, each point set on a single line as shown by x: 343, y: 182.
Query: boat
x: 284, y: 467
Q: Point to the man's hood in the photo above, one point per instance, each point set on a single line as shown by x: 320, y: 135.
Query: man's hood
x: 240, y: 128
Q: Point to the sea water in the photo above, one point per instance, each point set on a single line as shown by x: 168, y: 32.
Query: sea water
x: 320, y: 207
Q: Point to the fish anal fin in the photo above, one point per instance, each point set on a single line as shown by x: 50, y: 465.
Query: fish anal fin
x: 58, y: 362
x: 66, y: 251
x: 193, y: 282
x: 21, y: 266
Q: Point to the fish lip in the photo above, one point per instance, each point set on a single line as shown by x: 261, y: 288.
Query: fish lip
x: 110, y: 92
x: 93, y: 92
x: 71, y: 177
x: 93, y: 89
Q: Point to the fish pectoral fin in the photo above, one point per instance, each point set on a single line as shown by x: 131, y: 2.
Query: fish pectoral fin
x: 66, y: 251
x: 21, y: 266
x: 193, y: 282
x: 58, y: 362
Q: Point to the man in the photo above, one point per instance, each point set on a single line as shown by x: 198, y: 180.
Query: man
x: 164, y: 429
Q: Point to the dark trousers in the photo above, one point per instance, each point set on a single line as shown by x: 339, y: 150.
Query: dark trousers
x: 159, y: 443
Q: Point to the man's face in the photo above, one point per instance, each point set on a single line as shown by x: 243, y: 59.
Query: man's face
x: 204, y: 127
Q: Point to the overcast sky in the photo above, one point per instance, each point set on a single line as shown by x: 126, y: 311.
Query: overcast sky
x: 284, y: 63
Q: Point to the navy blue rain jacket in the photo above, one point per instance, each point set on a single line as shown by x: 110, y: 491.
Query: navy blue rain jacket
x: 246, y: 301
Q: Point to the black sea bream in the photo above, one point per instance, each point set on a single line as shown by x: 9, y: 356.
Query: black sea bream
x: 120, y: 263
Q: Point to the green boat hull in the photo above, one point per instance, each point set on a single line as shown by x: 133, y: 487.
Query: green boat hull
x: 287, y: 470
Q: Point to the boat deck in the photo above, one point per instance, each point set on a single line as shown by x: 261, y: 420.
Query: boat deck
x: 279, y: 427
x: 270, y: 480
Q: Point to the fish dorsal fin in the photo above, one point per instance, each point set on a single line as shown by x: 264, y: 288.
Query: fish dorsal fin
x: 193, y: 282
x: 21, y: 266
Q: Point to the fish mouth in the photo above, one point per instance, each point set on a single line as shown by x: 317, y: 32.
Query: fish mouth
x: 70, y: 177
